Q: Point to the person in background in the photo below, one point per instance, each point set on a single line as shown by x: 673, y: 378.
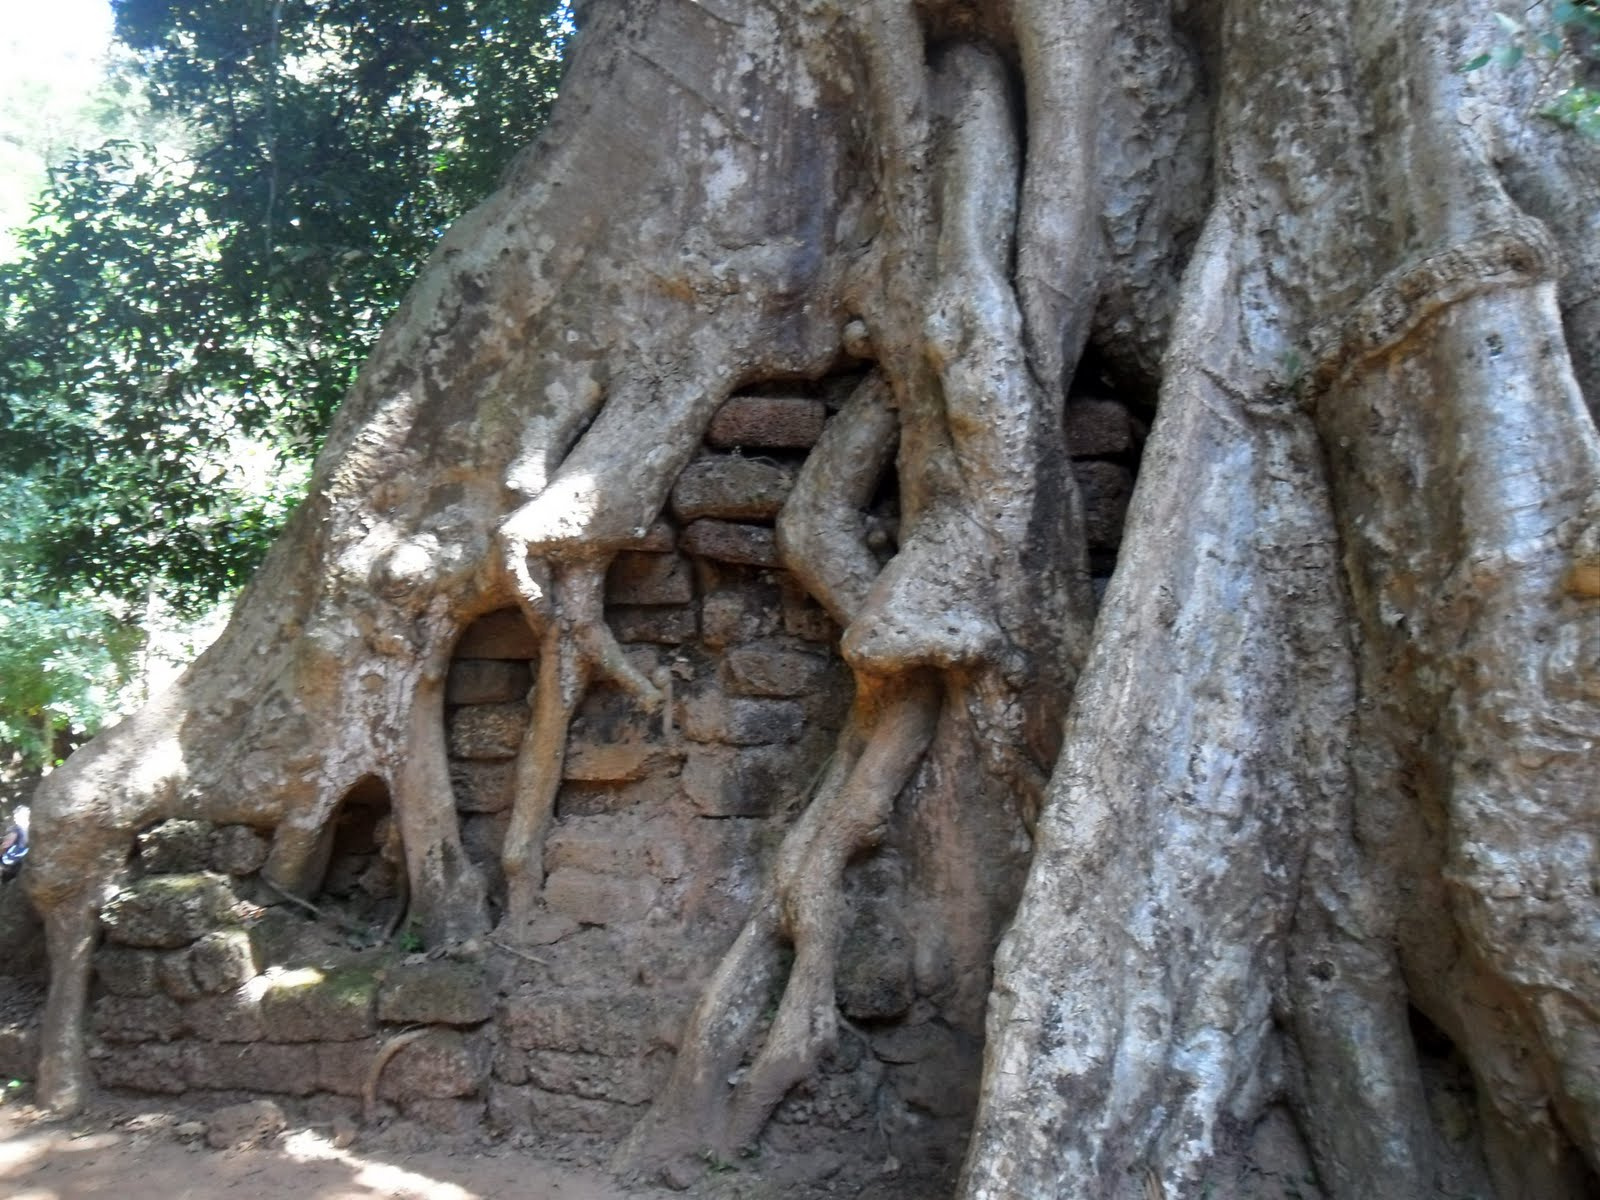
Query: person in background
x: 14, y: 844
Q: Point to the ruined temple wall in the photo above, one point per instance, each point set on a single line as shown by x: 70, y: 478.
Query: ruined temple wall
x: 660, y: 842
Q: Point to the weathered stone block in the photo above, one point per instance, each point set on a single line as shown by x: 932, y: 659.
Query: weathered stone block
x: 711, y: 716
x: 437, y: 992
x: 755, y: 782
x: 731, y: 487
x: 223, y: 960
x: 660, y: 626
x: 598, y: 1022
x: 596, y: 899
x: 167, y: 911
x: 1106, y: 489
x: 175, y: 975
x: 483, y: 834
x: 146, y: 1067
x: 597, y: 1077
x: 239, y: 1125
x: 126, y: 972
x: 230, y: 1017
x: 733, y: 615
x: 176, y: 847
x: 487, y: 681
x: 767, y: 423
x: 574, y: 1114
x: 138, y: 1018
x: 483, y: 787
x: 611, y: 846
x: 19, y: 1051
x: 612, y: 762
x: 285, y: 1070
x: 875, y: 979
x: 438, y: 1066
x: 500, y: 634
x: 309, y: 1005
x: 457, y: 1117
x: 1097, y: 426
x: 934, y: 1069
x: 804, y: 618
x: 773, y: 669
x: 723, y: 541
x: 597, y: 799
x: 649, y: 580
x: 660, y: 538
x: 487, y: 731
x: 342, y: 1067
x: 238, y: 850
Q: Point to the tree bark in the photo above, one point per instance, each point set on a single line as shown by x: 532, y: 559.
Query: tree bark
x: 1310, y: 793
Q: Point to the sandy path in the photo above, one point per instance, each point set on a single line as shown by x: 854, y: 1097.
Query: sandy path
x: 131, y: 1155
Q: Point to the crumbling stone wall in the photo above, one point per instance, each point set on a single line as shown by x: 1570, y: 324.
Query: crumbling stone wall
x: 664, y: 827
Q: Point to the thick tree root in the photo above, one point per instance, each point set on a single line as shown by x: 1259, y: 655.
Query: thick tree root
x: 700, y: 1109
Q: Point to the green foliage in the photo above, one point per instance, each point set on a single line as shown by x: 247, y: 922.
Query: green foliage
x: 1556, y: 39
x: 188, y: 306
x: 173, y: 302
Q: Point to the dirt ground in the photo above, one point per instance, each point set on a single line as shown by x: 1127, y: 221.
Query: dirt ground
x: 155, y: 1151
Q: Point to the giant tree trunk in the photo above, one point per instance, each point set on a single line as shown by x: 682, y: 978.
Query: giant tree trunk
x: 1311, y: 799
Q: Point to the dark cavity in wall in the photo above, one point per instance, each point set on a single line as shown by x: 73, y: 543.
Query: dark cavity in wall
x: 1106, y: 426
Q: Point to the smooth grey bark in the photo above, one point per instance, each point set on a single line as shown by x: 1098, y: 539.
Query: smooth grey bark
x: 1325, y: 758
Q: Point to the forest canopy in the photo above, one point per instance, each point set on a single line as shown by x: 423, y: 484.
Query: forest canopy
x: 197, y: 289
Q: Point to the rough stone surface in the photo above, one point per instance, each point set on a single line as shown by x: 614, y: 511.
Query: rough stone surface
x: 240, y: 1125
x: 596, y: 899
x: 342, y: 1067
x: 804, y: 618
x: 487, y: 681
x: 732, y: 615
x: 767, y: 423
x: 876, y: 981
x: 483, y: 787
x: 126, y: 972
x: 517, y: 1108
x: 724, y: 541
x: 612, y: 762
x: 661, y: 626
x: 589, y: 1022
x: 732, y: 488
x: 146, y: 1067
x: 710, y: 716
x: 284, y: 1070
x: 440, y: 1065
x: 176, y: 847
x: 222, y: 960
x: 1096, y: 427
x: 138, y: 1018
x: 230, y: 1017
x: 238, y: 850
x: 167, y: 911
x: 487, y: 731
x: 754, y: 782
x: 649, y: 580
x: 660, y: 538
x: 438, y: 992
x: 1106, y: 488
x: 773, y: 669
x: 175, y: 974
x: 450, y: 1116
x: 312, y: 1006
x: 596, y: 1076
x: 500, y: 634
x: 612, y: 846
